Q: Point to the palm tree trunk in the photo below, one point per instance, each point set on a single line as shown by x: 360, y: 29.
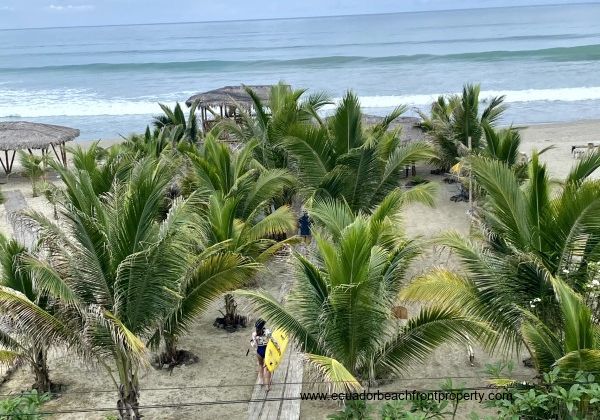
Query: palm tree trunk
x: 39, y: 368
x: 129, y: 393
x: 170, y: 348
x: 128, y: 404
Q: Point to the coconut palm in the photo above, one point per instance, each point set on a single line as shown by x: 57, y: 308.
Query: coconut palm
x: 186, y: 129
x: 502, y: 145
x: 340, y: 309
x: 153, y: 144
x: 216, y: 168
x: 241, y: 212
x: 34, y: 167
x: 455, y: 119
x: 528, y: 233
x: 343, y: 160
x: 213, y: 272
x: 235, y: 223
x: 20, y: 296
x: 272, y: 121
x: 574, y: 347
x: 253, y: 235
x: 102, y: 166
x: 117, y: 268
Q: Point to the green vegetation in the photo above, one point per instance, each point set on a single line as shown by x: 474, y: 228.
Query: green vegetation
x: 22, y: 407
x: 18, y: 291
x: 559, y: 396
x: 276, y: 120
x: 34, y: 167
x: 455, y: 118
x: 536, y: 248
x: 151, y: 231
x: 340, y: 310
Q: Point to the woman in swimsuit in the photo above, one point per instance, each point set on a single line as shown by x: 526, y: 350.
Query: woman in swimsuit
x: 260, y: 339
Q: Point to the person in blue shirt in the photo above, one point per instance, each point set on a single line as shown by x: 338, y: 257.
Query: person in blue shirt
x: 304, y: 224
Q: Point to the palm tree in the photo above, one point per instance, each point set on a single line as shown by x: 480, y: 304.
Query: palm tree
x: 101, y: 165
x: 253, y: 235
x: 502, y: 145
x: 574, y: 347
x: 216, y: 168
x: 273, y: 120
x: 340, y: 309
x: 455, y: 119
x: 528, y: 234
x: 20, y: 295
x: 34, y: 167
x: 236, y: 224
x: 343, y: 160
x: 213, y: 272
x: 153, y: 144
x: 243, y: 211
x: 187, y: 128
x: 117, y: 269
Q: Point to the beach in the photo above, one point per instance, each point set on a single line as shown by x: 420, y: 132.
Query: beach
x: 108, y: 81
x: 225, y: 373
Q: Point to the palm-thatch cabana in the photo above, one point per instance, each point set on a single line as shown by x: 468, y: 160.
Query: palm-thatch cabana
x: 226, y: 102
x: 23, y: 135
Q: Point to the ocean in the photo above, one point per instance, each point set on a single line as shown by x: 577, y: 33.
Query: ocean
x: 107, y: 80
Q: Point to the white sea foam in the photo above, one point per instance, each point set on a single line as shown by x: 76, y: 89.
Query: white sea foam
x: 72, y: 102
x: 512, y: 96
x: 52, y: 103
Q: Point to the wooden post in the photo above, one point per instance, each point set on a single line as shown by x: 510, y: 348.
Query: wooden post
x: 55, y: 154
x: 63, y: 154
x: 12, y: 160
x: 2, y: 163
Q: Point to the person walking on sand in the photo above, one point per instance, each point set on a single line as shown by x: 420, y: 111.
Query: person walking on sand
x: 260, y: 339
x: 304, y: 224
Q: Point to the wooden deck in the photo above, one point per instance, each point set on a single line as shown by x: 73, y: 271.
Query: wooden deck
x: 283, y: 400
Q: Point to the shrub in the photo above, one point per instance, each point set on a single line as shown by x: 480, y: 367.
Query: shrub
x: 23, y: 407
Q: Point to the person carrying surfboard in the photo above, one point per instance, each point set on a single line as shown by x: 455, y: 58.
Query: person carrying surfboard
x: 260, y: 339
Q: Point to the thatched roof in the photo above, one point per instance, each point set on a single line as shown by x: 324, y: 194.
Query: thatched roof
x: 17, y: 135
x: 410, y: 126
x: 230, y: 95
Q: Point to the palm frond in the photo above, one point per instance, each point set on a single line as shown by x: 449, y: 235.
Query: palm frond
x: 334, y: 373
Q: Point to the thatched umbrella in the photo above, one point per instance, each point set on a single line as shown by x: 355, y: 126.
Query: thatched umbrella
x: 23, y: 135
x: 227, y: 99
x: 230, y: 95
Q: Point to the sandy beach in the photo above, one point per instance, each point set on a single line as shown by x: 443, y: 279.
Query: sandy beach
x: 225, y: 373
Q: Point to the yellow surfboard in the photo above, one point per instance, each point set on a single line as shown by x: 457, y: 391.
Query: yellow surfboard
x: 273, y: 356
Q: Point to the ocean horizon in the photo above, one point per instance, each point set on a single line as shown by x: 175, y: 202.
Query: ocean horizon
x: 108, y: 80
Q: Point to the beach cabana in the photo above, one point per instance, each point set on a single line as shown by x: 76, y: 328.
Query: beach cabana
x: 23, y: 135
x: 225, y: 102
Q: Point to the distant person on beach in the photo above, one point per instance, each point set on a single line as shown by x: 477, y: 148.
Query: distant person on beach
x: 304, y: 224
x: 260, y: 339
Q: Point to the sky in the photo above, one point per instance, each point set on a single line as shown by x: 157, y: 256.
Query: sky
x: 15, y: 14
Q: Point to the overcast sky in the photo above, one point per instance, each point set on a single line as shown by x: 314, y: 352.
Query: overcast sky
x: 48, y: 13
